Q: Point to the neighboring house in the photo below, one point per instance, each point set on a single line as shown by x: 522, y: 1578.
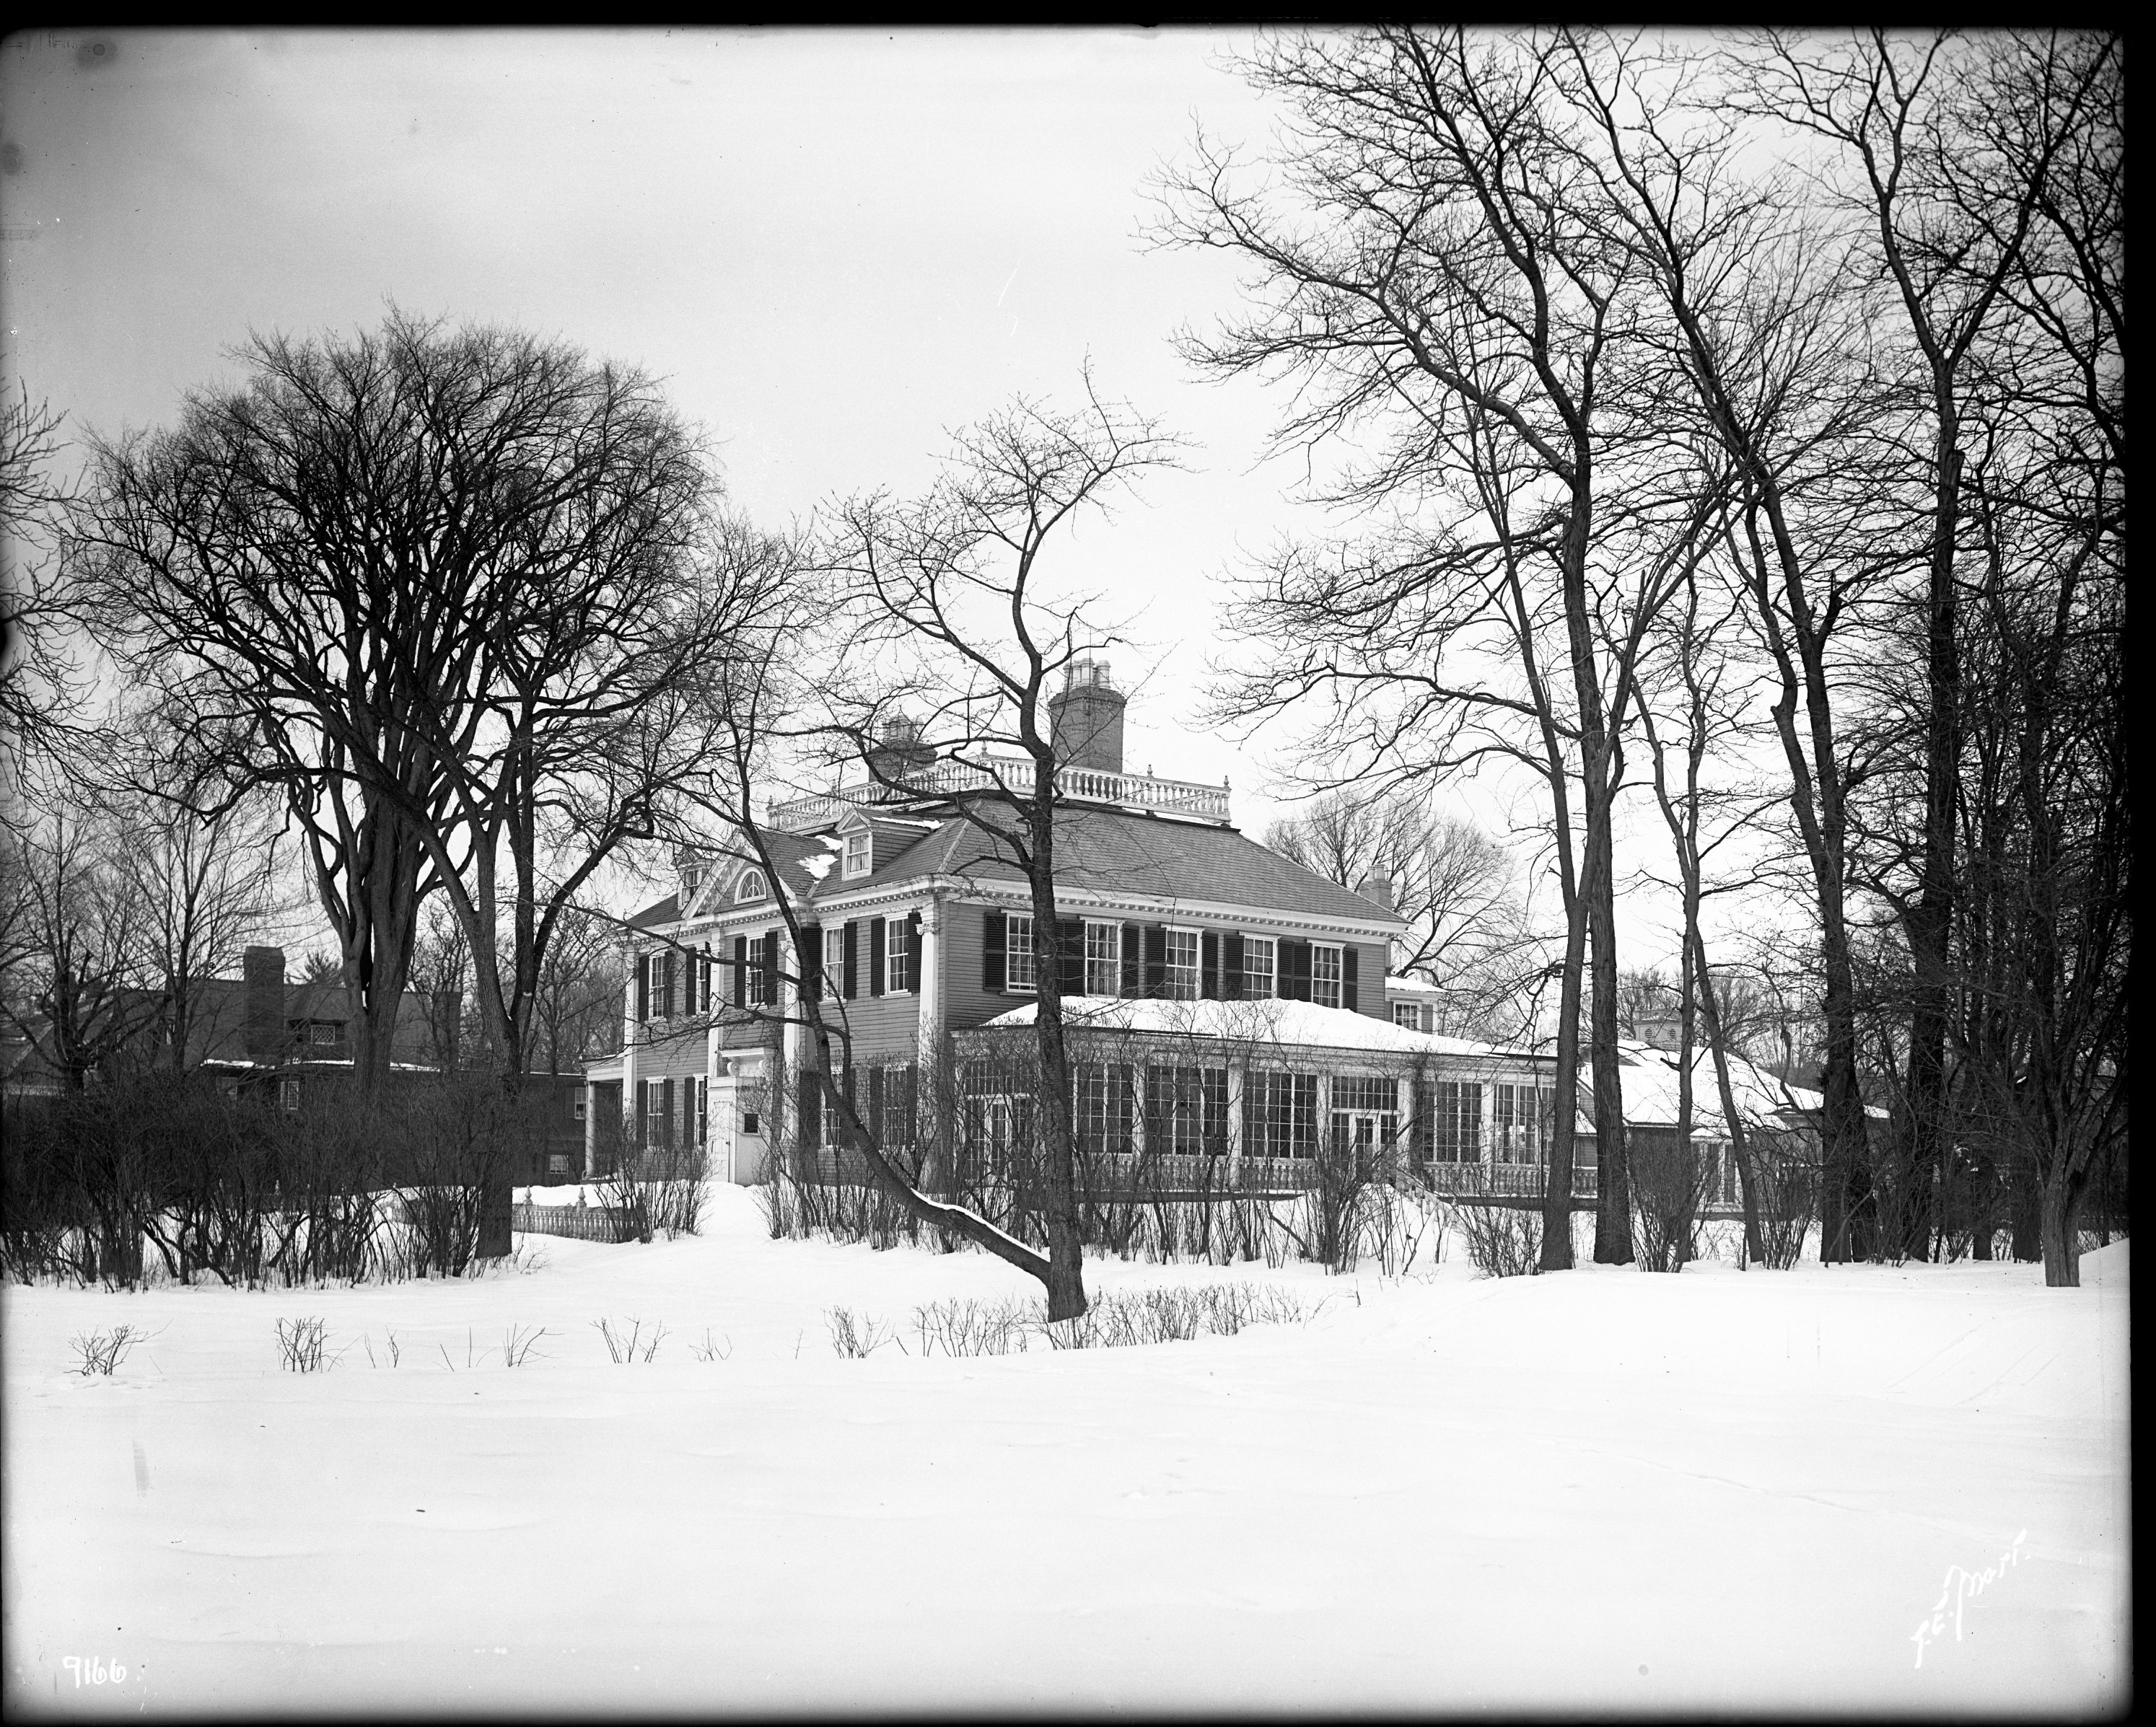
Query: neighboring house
x: 922, y: 941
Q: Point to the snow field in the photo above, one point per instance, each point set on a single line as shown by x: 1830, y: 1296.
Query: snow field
x: 1604, y: 1490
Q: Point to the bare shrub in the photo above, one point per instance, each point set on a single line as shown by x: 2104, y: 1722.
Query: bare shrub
x: 516, y: 1346
x: 301, y: 1345
x: 392, y: 1349
x: 1785, y: 1184
x: 712, y: 1349
x: 1170, y: 1314
x: 855, y: 1336
x: 1502, y: 1240
x: 1671, y: 1184
x: 630, y: 1342
x: 102, y: 1351
x: 972, y: 1327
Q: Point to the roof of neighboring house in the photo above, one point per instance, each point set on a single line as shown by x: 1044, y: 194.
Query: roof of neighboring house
x: 1270, y: 1021
x: 1650, y: 1076
x: 661, y: 911
x: 1111, y: 852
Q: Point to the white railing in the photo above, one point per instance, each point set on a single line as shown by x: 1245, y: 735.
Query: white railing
x: 1014, y: 773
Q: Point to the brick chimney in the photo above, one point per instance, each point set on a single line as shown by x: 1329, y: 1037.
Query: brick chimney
x: 1376, y: 887
x: 898, y: 753
x: 262, y: 994
x: 1086, y: 718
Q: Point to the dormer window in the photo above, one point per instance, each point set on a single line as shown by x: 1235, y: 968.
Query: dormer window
x: 692, y: 878
x: 751, y: 887
x: 857, y: 854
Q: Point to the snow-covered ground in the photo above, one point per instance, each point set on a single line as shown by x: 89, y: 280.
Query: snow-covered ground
x: 1602, y: 1491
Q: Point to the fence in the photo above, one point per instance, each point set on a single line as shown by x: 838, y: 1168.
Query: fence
x: 600, y: 1223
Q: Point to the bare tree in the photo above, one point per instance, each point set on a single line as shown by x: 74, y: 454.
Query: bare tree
x: 956, y: 586
x: 40, y: 682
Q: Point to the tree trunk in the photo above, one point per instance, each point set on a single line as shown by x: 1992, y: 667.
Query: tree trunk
x: 2061, y: 1205
x: 1065, y: 1279
x: 1557, y: 1192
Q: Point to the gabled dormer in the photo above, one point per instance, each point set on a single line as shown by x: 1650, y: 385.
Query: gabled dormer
x: 867, y: 843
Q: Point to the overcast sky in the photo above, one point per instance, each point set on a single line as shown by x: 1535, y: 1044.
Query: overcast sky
x: 833, y: 245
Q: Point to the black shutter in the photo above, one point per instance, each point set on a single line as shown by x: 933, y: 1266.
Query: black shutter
x: 1071, y: 940
x: 811, y: 1134
x: 810, y: 946
x: 1350, y: 966
x: 1292, y: 961
x: 1231, y: 967
x: 875, y: 956
x: 1130, y: 959
x: 913, y: 952
x: 772, y: 996
x: 643, y: 1110
x: 852, y: 945
x: 1156, y: 959
x: 666, y: 1112
x: 738, y: 995
x: 643, y: 987
x: 876, y: 1103
x: 994, y: 939
x: 1208, y: 966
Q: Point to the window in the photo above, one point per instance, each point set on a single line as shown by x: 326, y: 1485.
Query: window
x: 1258, y: 967
x: 1179, y: 980
x: 1365, y: 1111
x: 751, y: 886
x: 1407, y: 1015
x: 1521, y: 1117
x: 692, y: 878
x: 890, y: 1105
x: 1020, y: 971
x: 1106, y: 1112
x: 1455, y: 1134
x: 557, y: 1163
x: 858, y: 850
x: 288, y: 1095
x: 324, y: 1030
x: 834, y: 960
x: 577, y: 1106
x: 1324, y: 975
x: 897, y: 949
x: 1280, y: 1115
x: 661, y: 1007
x: 1104, y: 959
x: 1186, y: 1109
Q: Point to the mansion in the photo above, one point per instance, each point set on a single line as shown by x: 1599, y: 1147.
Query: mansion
x: 1222, y: 1001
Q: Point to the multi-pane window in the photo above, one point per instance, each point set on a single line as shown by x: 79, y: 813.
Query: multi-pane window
x: 661, y: 1008
x: 1520, y: 1121
x: 1186, y: 1109
x: 897, y: 937
x: 1107, y: 1108
x: 1179, y: 981
x: 751, y: 887
x: 1408, y: 1015
x: 1258, y: 967
x: 1366, y: 1109
x: 762, y: 973
x: 892, y: 1106
x: 1280, y: 1115
x: 1104, y: 959
x: 834, y: 960
x: 1019, y: 971
x: 1455, y: 1127
x: 857, y: 854
x: 1324, y: 975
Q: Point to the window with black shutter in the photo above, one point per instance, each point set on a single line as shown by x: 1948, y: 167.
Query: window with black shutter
x: 852, y: 967
x: 913, y: 952
x: 1209, y: 966
x: 643, y: 990
x: 1132, y: 968
x: 993, y: 942
x: 810, y: 944
x: 875, y: 956
x: 1156, y: 959
x: 737, y: 990
x: 1231, y: 967
x: 1350, y: 966
x: 665, y: 1112
x: 771, y: 996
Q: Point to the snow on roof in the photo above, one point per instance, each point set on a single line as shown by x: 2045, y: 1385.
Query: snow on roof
x: 1399, y: 984
x: 1273, y: 1021
x: 818, y: 866
x: 1651, y: 1075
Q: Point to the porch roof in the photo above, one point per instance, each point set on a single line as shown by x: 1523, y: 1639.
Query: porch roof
x: 1301, y: 1023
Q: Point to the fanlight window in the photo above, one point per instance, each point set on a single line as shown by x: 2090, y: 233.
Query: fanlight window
x: 752, y: 887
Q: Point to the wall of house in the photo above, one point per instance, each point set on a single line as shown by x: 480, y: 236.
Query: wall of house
x: 970, y: 1004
